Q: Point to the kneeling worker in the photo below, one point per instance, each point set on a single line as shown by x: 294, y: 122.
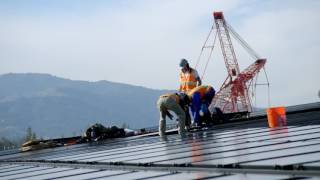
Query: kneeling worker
x: 201, y: 98
x: 175, y: 102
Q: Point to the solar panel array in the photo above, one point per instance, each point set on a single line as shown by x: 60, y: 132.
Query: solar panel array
x: 241, y: 150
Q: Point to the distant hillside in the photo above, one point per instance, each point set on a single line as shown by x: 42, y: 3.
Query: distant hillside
x: 55, y: 107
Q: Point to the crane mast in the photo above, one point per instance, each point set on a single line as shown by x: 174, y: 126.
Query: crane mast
x: 226, y: 46
x: 236, y: 98
x: 233, y: 96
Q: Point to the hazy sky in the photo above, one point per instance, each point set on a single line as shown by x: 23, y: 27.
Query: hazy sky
x: 140, y: 42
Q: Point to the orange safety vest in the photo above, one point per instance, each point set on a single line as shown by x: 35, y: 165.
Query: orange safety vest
x: 188, y: 81
x: 173, y: 96
x: 201, y: 89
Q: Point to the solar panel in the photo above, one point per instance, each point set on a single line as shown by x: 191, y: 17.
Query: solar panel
x: 235, y: 150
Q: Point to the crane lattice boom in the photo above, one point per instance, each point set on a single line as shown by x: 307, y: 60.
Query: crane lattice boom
x: 233, y: 95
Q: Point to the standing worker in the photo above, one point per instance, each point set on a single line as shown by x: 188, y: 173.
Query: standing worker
x: 175, y: 102
x: 201, y: 98
x: 189, y: 77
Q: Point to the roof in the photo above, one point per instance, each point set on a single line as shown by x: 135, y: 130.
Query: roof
x: 238, y: 150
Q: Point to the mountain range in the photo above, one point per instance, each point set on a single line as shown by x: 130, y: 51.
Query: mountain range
x: 57, y: 107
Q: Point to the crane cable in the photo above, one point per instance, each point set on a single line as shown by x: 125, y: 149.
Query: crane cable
x: 269, y: 101
x: 205, y: 68
x: 253, y: 54
x: 243, y: 43
x: 204, y: 45
x: 254, y: 88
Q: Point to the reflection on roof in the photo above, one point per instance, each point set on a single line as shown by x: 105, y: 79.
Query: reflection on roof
x: 238, y: 150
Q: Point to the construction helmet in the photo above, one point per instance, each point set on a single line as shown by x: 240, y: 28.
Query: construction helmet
x: 183, y: 63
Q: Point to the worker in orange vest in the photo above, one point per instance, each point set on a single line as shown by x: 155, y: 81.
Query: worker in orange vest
x: 175, y: 102
x: 201, y: 98
x: 189, y: 77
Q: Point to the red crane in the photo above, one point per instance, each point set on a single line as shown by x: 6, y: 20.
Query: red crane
x: 233, y: 96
